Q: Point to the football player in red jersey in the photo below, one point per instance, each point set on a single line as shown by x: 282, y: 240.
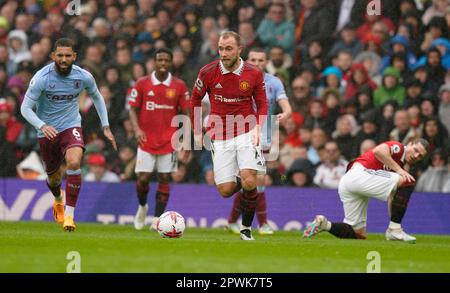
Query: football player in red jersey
x: 238, y: 108
x: 154, y: 101
x: 378, y: 173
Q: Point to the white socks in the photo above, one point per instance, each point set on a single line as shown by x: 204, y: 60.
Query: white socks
x: 393, y: 225
x: 69, y: 211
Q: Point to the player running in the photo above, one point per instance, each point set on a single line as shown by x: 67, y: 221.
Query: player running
x: 54, y: 91
x: 275, y: 95
x: 155, y: 100
x: 233, y: 86
x: 378, y: 173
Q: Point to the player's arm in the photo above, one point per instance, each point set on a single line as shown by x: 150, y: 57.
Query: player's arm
x: 283, y: 102
x: 32, y: 95
x: 99, y: 103
x: 198, y: 92
x: 383, y: 153
x: 135, y: 102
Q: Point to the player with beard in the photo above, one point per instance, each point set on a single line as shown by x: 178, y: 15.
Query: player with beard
x: 238, y: 109
x: 54, y: 92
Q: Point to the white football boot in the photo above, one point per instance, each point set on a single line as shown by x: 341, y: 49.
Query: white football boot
x: 318, y: 225
x: 399, y: 235
x: 139, y: 219
x: 233, y: 228
x: 246, y: 234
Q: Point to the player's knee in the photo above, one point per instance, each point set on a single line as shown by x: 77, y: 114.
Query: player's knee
x: 249, y: 183
x: 55, y: 178
x: 226, y: 190
x: 164, y: 178
x: 73, y: 163
x: 144, y: 178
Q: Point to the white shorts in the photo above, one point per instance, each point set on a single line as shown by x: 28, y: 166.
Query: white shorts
x: 146, y: 162
x: 230, y: 156
x: 358, y: 185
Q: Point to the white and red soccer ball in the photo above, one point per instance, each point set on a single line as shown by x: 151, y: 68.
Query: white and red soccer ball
x: 170, y: 225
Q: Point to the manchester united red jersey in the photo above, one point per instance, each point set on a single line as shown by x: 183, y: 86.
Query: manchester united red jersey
x: 230, y: 94
x: 369, y: 160
x: 158, y: 103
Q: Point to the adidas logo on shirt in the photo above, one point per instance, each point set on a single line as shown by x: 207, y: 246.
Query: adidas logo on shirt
x: 218, y: 86
x: 151, y: 93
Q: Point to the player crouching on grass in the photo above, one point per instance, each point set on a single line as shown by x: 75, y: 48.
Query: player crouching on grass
x: 366, y: 178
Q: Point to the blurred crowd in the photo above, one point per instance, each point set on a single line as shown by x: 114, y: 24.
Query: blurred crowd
x: 353, y: 79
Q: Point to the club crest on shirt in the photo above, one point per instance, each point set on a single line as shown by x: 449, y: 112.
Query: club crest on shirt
x: 76, y: 84
x: 244, y: 85
x: 170, y: 93
x: 395, y: 149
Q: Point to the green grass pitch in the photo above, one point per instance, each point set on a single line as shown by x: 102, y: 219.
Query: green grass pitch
x: 43, y: 247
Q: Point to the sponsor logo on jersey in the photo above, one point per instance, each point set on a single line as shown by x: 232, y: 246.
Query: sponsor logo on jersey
x: 152, y: 106
x: 244, y: 85
x: 62, y: 97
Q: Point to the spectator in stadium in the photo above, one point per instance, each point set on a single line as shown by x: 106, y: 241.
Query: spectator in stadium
x: 414, y: 91
x: 329, y: 173
x: 347, y: 41
x: 154, y: 101
x: 358, y: 78
x: 366, y: 145
x: 390, y: 90
x: 279, y: 61
x: 180, y: 68
x: 318, y: 140
x: 437, y: 28
x: 145, y: 47
x: 313, y: 19
x: 444, y: 105
x: 372, y: 63
x: 249, y: 37
x: 276, y: 30
x: 437, y: 9
x: 344, y: 136
x: 301, y: 96
x: 31, y: 168
x: 399, y: 44
x: 98, y: 171
x: 4, y: 28
x: 316, y: 115
x: 403, y: 131
x: 18, y: 48
x: 9, y: 122
x: 369, y: 130
x: 436, y: 134
x: 301, y: 173
x: 436, y: 175
x: 331, y: 79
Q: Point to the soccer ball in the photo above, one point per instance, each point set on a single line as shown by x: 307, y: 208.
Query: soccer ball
x: 170, y: 225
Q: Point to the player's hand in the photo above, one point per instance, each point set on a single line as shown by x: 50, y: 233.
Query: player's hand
x: 282, y: 117
x: 140, y: 136
x: 49, y: 131
x: 257, y: 135
x: 108, y: 134
x: 406, y: 176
